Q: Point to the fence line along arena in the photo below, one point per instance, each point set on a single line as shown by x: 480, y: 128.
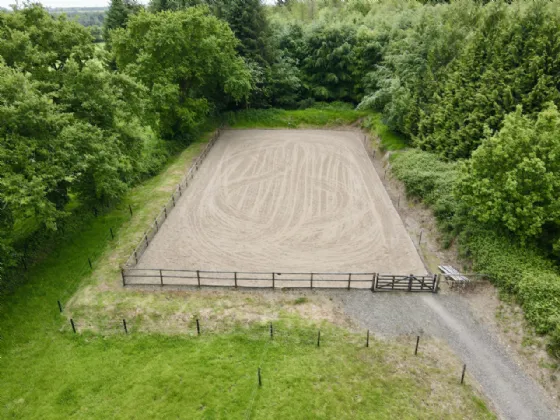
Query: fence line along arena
x: 284, y: 201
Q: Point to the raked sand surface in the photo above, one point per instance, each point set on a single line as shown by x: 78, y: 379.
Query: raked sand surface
x: 285, y: 200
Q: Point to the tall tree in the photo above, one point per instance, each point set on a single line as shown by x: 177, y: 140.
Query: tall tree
x: 513, y: 178
x: 188, y: 61
x: 118, y: 15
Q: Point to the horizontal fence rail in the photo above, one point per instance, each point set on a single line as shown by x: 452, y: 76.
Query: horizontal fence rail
x: 147, y: 237
x: 237, y: 279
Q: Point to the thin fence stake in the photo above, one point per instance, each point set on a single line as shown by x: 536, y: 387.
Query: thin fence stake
x: 130, y: 210
x: 124, y: 325
x: 59, y: 306
x: 319, y: 339
x: 235, y: 279
x: 417, y: 342
x: 198, y: 278
x: 197, y: 327
x: 311, y: 281
x: 259, y: 376
x: 349, y: 280
x: 73, y: 326
x: 112, y: 234
x: 463, y: 374
x: 272, y: 280
x: 271, y: 332
x: 123, y: 278
x: 90, y: 265
x: 161, y: 277
x: 367, y: 339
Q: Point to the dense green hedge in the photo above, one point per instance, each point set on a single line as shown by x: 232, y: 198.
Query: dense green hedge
x: 426, y: 176
x: 521, y: 271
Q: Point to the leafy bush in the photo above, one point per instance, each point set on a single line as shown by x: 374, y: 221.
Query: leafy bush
x: 428, y: 177
x: 519, y: 270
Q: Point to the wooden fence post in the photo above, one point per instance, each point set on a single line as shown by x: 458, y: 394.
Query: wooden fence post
x: 59, y: 306
x: 463, y: 374
x: 319, y: 339
x: 73, y: 326
x: 373, y: 282
x: 417, y: 342
x: 273, y: 280
x: 197, y: 327
x: 165, y: 211
x: 437, y: 278
x: 173, y: 199
x: 410, y: 277
x: 112, y: 235
x: 311, y: 281
x: 235, y: 279
x: 130, y: 209
x: 146, y: 238
x: 124, y: 325
x: 367, y: 339
x: 349, y: 280
x: 90, y: 265
x: 123, y: 278
x: 271, y: 332
x: 420, y: 240
x: 157, y: 226
x: 136, y: 256
x: 198, y: 279
x: 259, y: 376
x: 161, y: 277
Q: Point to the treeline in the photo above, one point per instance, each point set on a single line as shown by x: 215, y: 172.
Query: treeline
x: 78, y: 125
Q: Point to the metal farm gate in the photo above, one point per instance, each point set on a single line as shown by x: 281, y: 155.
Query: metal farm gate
x: 410, y: 283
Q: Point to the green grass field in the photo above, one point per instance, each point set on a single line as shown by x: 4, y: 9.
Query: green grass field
x: 321, y: 115
x: 50, y: 373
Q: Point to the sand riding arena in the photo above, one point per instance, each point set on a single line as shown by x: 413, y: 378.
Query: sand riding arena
x: 281, y: 201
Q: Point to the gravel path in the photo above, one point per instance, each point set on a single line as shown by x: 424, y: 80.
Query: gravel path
x: 513, y: 394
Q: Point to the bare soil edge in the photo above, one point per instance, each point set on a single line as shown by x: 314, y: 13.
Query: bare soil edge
x: 505, y: 319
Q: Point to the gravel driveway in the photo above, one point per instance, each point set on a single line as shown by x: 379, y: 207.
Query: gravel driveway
x: 513, y: 393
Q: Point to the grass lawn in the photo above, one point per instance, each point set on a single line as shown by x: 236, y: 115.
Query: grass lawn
x: 388, y: 139
x: 319, y: 116
x: 50, y: 373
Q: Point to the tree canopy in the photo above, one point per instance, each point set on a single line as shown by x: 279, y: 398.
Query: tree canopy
x: 185, y: 83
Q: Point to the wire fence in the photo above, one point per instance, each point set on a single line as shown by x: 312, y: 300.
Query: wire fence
x: 170, y: 205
